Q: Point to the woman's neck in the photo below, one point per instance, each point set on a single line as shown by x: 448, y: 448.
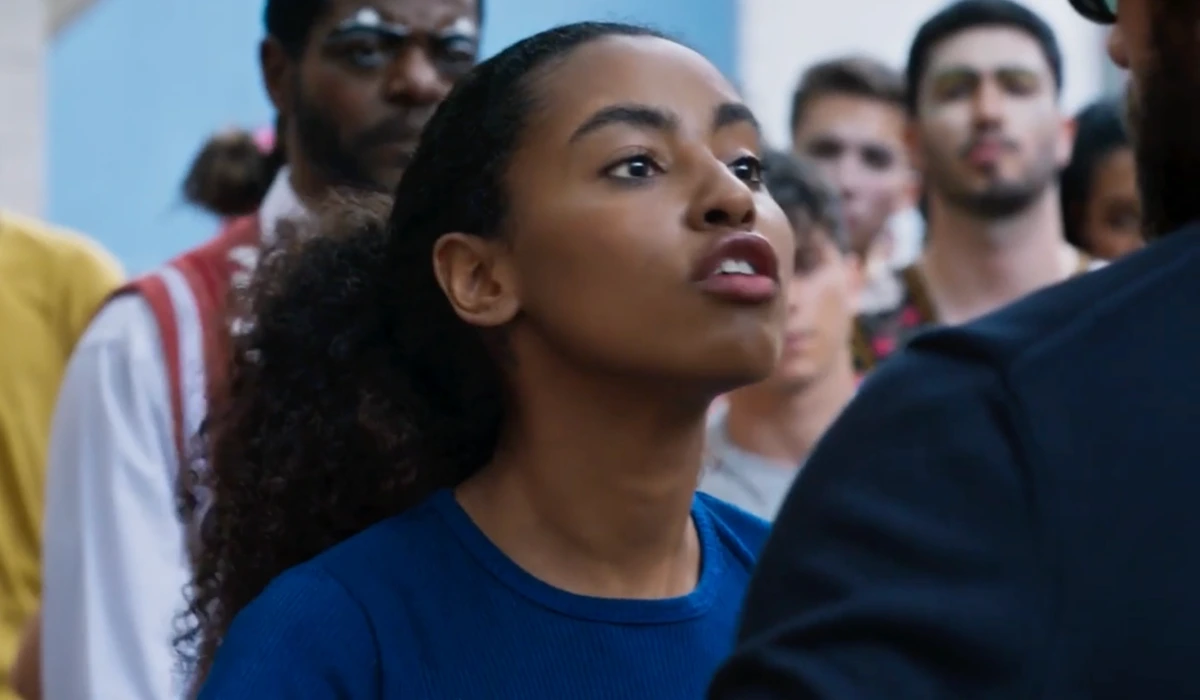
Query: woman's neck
x: 591, y: 489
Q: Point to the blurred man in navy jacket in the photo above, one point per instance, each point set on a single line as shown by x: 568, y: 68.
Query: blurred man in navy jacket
x: 1010, y: 509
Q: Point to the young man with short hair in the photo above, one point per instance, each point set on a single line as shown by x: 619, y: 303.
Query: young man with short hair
x: 761, y: 435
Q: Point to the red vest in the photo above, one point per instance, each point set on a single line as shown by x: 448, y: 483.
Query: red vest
x: 190, y: 301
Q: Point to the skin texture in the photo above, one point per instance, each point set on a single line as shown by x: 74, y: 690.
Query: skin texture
x: 782, y: 417
x: 354, y: 104
x: 989, y: 134
x: 989, y: 137
x: 616, y: 351
x: 859, y: 145
x: 633, y: 208
x: 527, y: 322
x: 821, y: 307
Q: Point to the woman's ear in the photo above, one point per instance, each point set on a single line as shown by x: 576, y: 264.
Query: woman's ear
x: 478, y: 279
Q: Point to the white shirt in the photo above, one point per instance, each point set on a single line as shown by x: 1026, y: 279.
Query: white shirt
x: 749, y: 481
x: 114, y: 554
x: 907, y: 228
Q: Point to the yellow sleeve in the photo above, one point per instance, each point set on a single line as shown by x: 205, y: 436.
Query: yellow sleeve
x: 91, y: 274
x: 79, y: 273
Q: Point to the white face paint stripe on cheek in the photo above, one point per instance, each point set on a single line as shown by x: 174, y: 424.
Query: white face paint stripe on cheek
x: 464, y: 26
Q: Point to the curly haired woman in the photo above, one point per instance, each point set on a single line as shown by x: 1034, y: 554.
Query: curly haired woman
x: 460, y: 448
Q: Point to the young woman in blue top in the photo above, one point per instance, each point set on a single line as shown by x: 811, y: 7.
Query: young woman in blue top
x: 460, y: 447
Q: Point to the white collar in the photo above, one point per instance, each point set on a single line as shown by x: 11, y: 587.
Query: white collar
x: 281, y: 203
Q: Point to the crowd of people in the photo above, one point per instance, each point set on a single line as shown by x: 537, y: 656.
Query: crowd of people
x: 546, y: 377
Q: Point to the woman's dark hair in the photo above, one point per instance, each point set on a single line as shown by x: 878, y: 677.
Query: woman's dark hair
x: 232, y: 173
x: 1099, y: 130
x: 357, y: 390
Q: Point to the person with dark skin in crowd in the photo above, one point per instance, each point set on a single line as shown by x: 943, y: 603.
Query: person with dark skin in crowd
x: 1100, y: 204
x: 458, y: 455
x: 227, y: 178
x: 1006, y: 508
x: 353, y: 83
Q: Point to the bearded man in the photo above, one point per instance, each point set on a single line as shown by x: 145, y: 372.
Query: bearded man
x: 1005, y: 509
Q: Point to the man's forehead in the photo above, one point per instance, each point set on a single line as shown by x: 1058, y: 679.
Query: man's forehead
x: 459, y: 15
x: 989, y: 49
x: 851, y: 118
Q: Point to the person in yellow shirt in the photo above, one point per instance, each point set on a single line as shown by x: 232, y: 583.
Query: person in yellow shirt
x: 51, y: 282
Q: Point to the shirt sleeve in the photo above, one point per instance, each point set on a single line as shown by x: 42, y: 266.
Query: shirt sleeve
x: 905, y: 563
x: 304, y: 638
x: 114, y: 556
x: 92, y: 275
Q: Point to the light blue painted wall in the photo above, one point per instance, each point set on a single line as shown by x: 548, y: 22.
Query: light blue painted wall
x: 137, y: 85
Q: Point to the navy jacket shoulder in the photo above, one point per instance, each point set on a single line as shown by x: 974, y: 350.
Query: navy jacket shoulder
x: 1143, y: 293
x: 1001, y: 512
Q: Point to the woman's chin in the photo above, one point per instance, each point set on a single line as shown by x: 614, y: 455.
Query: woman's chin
x: 748, y: 361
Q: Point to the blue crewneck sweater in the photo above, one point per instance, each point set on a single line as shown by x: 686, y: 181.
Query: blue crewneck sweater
x: 424, y: 607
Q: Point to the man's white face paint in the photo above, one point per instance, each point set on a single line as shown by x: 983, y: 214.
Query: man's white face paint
x: 368, y: 19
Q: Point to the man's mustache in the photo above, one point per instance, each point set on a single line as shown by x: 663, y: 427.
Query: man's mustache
x: 1003, y: 141
x: 401, y: 129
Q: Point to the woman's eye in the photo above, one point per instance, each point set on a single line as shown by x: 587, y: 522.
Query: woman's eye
x: 635, y: 168
x: 748, y: 169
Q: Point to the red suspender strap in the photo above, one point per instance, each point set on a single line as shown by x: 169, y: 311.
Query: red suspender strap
x: 153, y: 289
x: 187, y: 298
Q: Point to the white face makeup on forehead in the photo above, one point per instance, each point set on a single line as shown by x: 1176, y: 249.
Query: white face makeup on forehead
x: 369, y: 19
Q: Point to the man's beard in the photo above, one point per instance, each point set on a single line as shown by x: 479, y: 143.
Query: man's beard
x: 999, y: 200
x: 345, y: 160
x: 338, y: 164
x: 1164, y: 111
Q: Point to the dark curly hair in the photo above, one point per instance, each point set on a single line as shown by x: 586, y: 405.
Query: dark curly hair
x: 357, y: 390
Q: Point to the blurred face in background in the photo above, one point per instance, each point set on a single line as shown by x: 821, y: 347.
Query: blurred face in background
x: 858, y: 143
x: 989, y: 137
x: 370, y: 76
x: 1111, y: 221
x: 822, y: 298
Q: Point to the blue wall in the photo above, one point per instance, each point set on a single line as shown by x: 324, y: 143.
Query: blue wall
x: 137, y: 85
